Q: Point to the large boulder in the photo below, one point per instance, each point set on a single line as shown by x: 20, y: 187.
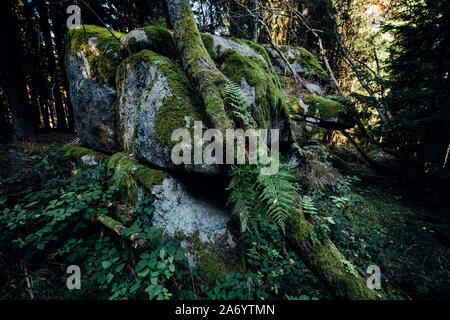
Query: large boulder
x: 92, y: 58
x: 301, y: 60
x: 200, y: 224
x: 154, y: 38
x: 248, y: 65
x: 155, y: 98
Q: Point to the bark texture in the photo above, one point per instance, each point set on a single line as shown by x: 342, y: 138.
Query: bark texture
x: 197, y: 63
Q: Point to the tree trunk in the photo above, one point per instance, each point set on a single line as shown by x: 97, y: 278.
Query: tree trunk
x: 325, y: 260
x: 59, y: 27
x: 55, y: 86
x: 15, y: 86
x: 198, y: 64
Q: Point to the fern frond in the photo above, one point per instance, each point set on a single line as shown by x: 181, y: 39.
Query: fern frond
x: 243, y: 195
x: 233, y: 97
x: 307, y: 206
x: 277, y: 192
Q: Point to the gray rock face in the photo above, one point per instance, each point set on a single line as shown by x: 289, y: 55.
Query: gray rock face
x: 221, y: 44
x: 138, y: 35
x: 177, y: 210
x: 143, y: 93
x: 279, y: 65
x: 93, y: 103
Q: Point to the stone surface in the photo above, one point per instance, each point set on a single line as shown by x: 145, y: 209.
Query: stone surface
x: 143, y: 93
x: 178, y: 210
x: 92, y: 101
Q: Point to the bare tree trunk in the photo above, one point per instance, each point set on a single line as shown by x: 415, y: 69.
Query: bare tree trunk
x: 49, y: 49
x: 15, y: 86
x: 256, y: 23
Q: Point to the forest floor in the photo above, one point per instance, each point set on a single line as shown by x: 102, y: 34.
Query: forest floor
x: 372, y: 219
x: 403, y: 228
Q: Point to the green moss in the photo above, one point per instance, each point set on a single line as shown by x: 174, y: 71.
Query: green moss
x: 326, y: 260
x: 208, y: 41
x: 149, y: 177
x: 171, y: 115
x: 127, y: 173
x: 267, y: 94
x: 309, y: 61
x: 262, y: 51
x: 160, y: 41
x: 103, y: 64
x: 123, y: 168
x: 322, y: 107
x: 209, y: 81
x: 338, y: 162
x: 76, y: 152
x: 210, y: 267
x: 113, y: 160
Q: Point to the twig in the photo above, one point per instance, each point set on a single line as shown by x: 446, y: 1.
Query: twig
x: 29, y: 282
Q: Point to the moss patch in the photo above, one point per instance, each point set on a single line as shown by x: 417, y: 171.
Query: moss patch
x: 308, y: 61
x: 76, y: 152
x: 210, y: 267
x: 268, y: 94
x: 326, y: 260
x: 103, y: 64
x: 171, y: 115
x: 160, y: 41
x: 127, y: 173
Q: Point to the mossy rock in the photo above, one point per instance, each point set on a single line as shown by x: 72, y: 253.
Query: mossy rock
x: 101, y: 49
x: 153, y: 103
x: 83, y: 156
x: 154, y: 38
x: 129, y: 175
x: 328, y: 111
x: 210, y: 267
x: 301, y: 60
x: 212, y: 264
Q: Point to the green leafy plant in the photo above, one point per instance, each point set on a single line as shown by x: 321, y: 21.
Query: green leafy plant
x: 276, y: 193
x: 233, y: 97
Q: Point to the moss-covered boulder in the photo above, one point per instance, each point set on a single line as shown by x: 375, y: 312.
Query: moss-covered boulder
x: 155, y: 98
x: 84, y: 157
x: 93, y: 55
x: 248, y: 65
x: 301, y: 60
x: 326, y: 112
x: 200, y: 224
x: 154, y: 38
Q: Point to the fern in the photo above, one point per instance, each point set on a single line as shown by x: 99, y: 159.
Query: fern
x: 277, y: 191
x: 243, y: 195
x: 307, y: 206
x: 233, y: 98
x: 253, y: 194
